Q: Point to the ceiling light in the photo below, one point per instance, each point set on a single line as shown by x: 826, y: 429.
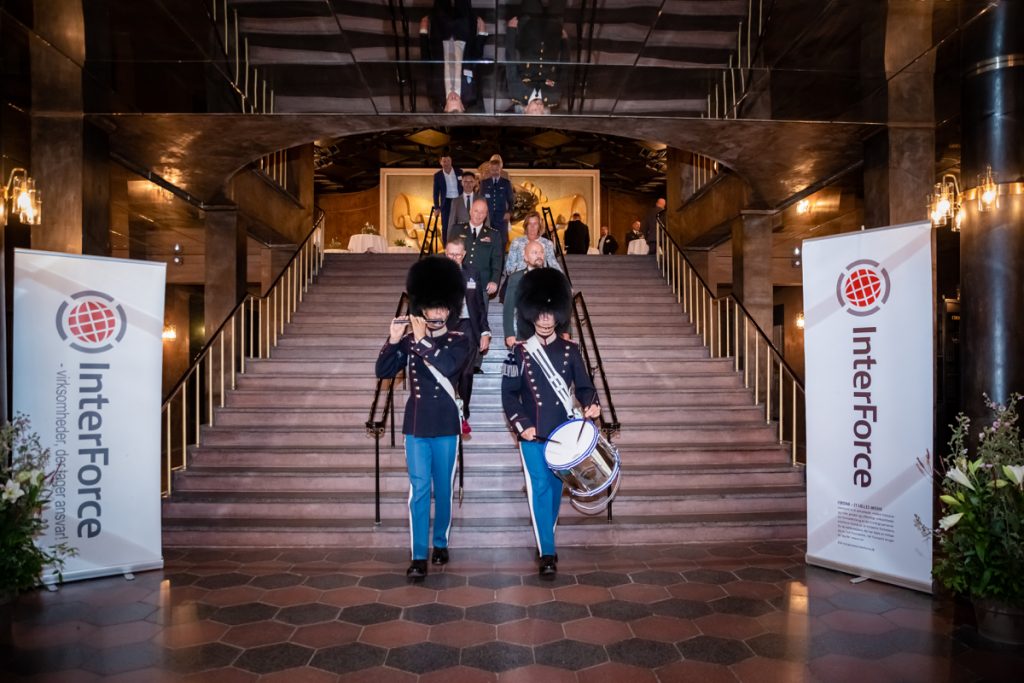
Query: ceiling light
x: 803, y: 207
x: 800, y: 322
x: 170, y: 333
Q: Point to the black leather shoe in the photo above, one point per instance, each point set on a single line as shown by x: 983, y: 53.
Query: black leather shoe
x: 478, y: 371
x: 548, y: 566
x: 417, y: 570
x: 440, y: 556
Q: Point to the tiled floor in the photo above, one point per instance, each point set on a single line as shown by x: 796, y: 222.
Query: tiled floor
x: 737, y: 612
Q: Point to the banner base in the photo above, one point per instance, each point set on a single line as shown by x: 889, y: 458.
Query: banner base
x: 862, y: 573
x: 99, y: 572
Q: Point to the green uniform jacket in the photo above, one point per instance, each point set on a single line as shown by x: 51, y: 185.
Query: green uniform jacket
x: 485, y: 254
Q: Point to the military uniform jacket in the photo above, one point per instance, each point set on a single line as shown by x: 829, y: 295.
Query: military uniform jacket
x: 484, y: 253
x: 526, y: 395
x: 430, y: 411
x: 500, y: 196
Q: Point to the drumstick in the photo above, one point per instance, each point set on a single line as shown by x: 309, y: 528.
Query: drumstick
x: 541, y: 439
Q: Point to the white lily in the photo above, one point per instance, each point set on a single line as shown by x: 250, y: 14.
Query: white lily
x: 1014, y: 473
x: 12, y: 491
x: 949, y: 520
x: 959, y: 477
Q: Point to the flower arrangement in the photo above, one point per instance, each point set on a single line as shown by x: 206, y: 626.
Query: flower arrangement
x: 981, y: 535
x: 400, y: 243
x: 369, y: 229
x: 24, y: 496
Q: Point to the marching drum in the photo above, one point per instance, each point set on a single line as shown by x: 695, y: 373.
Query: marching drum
x: 586, y: 462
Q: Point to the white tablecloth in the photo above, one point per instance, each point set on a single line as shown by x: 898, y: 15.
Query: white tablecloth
x: 592, y: 250
x: 638, y: 248
x: 403, y: 250
x: 360, y: 243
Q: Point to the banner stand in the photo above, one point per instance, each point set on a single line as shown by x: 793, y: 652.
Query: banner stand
x: 869, y: 357
x: 88, y: 360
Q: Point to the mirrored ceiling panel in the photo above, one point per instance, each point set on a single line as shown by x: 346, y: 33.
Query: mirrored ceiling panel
x: 794, y: 60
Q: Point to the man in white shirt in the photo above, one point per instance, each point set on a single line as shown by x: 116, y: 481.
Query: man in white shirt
x: 446, y: 188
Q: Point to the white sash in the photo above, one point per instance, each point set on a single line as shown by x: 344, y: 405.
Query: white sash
x: 447, y: 386
x: 536, y: 351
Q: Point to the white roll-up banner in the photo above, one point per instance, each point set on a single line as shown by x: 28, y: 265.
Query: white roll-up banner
x: 868, y: 345
x: 87, y: 373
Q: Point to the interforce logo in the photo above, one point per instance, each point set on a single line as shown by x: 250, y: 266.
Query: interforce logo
x: 91, y: 321
x: 863, y: 287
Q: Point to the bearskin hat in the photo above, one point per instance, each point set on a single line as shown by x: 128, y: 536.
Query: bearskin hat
x: 544, y: 290
x: 435, y: 282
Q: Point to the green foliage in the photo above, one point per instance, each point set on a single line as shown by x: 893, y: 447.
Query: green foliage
x: 981, y: 540
x: 23, y: 497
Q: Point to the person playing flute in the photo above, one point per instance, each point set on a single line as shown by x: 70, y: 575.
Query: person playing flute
x: 433, y: 356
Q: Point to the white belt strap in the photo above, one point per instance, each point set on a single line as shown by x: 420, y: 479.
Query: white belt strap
x: 447, y: 386
x: 536, y: 351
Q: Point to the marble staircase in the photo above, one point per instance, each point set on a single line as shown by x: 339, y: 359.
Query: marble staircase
x: 288, y: 461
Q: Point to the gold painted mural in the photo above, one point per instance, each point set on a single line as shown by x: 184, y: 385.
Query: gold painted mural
x: 406, y: 199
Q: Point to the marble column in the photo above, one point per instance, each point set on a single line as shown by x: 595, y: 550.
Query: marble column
x: 225, y: 266
x: 752, y: 266
x: 70, y: 158
x: 899, y: 162
x: 992, y: 242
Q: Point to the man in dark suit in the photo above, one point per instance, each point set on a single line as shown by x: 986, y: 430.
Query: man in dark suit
x: 458, y: 213
x: 607, y: 244
x: 446, y: 188
x: 655, y: 218
x: 484, y: 249
x: 471, y: 320
x: 577, y: 236
x: 500, y: 196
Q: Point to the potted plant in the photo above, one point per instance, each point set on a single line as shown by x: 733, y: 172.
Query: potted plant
x: 25, y: 493
x: 400, y: 243
x: 981, y: 533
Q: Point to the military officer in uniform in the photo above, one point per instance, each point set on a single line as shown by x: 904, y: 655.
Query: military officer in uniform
x: 500, y: 197
x: 532, y: 403
x: 536, y: 52
x: 470, y: 318
x: 433, y: 421
x: 484, y: 248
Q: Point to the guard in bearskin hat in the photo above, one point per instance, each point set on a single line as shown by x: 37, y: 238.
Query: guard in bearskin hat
x: 433, y: 421
x: 536, y: 401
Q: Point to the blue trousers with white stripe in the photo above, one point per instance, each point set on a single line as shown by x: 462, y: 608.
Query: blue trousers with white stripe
x: 544, y: 491
x: 431, y: 462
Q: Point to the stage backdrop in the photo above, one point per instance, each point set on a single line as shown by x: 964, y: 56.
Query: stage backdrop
x: 869, y: 349
x: 87, y: 354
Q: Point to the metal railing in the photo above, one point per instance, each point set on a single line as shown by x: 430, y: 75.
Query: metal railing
x: 249, y: 332
x: 729, y: 331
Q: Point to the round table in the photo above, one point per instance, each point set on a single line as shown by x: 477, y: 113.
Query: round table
x: 360, y: 243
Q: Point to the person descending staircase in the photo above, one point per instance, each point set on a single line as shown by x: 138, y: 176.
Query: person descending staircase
x: 288, y: 461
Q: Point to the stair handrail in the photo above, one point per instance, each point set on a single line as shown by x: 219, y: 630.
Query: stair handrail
x: 431, y: 233
x: 596, y: 367
x: 249, y: 331
x: 726, y: 328
x: 551, y: 233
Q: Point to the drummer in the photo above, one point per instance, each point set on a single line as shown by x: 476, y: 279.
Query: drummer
x: 536, y: 393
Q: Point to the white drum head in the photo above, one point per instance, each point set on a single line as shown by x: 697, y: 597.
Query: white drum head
x: 570, y: 442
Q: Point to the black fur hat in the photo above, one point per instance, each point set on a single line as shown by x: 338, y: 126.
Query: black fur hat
x: 435, y: 282
x: 544, y: 290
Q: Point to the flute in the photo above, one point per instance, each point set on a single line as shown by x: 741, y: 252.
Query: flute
x: 405, y: 319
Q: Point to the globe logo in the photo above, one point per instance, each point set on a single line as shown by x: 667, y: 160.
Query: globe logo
x: 863, y: 287
x: 91, y: 321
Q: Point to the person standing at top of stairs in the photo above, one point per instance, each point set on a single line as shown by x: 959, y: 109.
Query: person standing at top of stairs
x: 433, y: 418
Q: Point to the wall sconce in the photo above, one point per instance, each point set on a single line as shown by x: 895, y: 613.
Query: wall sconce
x: 800, y: 322
x: 803, y: 207
x: 170, y: 333
x: 796, y: 261
x: 179, y: 256
x: 944, y: 203
x: 988, y: 191
x: 21, y: 190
